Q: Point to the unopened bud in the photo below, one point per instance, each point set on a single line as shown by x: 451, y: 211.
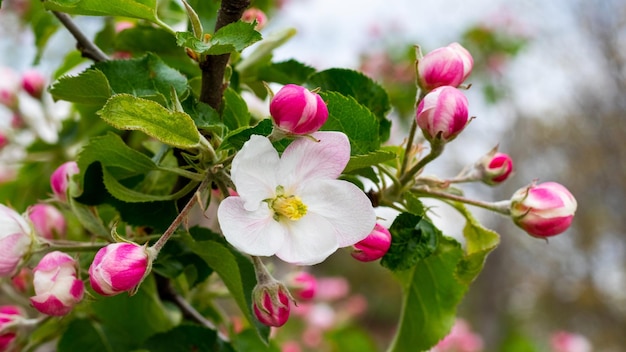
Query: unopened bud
x: 271, y: 303
x: 48, y: 221
x: 442, y: 114
x: 374, y: 246
x: 303, y: 286
x: 253, y: 14
x: 8, y: 314
x: 57, y: 289
x: 119, y: 267
x: 447, y: 66
x: 60, y: 179
x: 297, y: 110
x: 543, y: 210
x: 15, y: 240
x: 33, y: 83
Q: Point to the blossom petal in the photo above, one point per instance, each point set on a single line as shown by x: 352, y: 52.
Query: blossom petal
x: 309, y: 241
x: 306, y: 159
x: 252, y: 232
x: 344, y: 205
x: 254, y: 171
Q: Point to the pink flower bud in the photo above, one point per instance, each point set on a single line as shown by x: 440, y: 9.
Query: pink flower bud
x: 563, y: 341
x: 374, y: 246
x: 447, y: 66
x: 57, y: 289
x: 297, y: 110
x: 15, y: 240
x: 460, y: 338
x: 60, y: 179
x: 494, y: 167
x: 442, y: 114
x: 271, y: 304
x: 10, y: 85
x: 33, y: 83
x: 8, y: 314
x: 47, y: 220
x: 22, y: 281
x: 119, y: 267
x: 303, y: 286
x: 543, y: 210
x: 252, y: 14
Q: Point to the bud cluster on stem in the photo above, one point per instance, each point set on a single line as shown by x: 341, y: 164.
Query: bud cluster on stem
x: 271, y: 299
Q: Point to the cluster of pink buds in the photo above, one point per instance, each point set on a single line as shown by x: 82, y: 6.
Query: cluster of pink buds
x: 119, y: 267
x: 297, y: 110
x: 374, y: 246
x: 543, y: 210
x: 57, y: 289
x: 254, y: 14
x: 8, y: 314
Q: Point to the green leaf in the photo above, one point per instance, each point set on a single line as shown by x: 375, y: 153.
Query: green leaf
x: 128, y: 321
x: 71, y: 60
x: 130, y: 195
x: 362, y: 88
x: 148, y: 77
x: 236, y: 271
x: 127, y: 112
x: 236, y: 113
x: 413, y: 204
x: 414, y: 238
x: 89, y: 87
x: 230, y: 38
x: 143, y: 9
x: 44, y: 25
x: 480, y: 241
x: 187, y: 337
x: 431, y: 296
x: 348, y: 116
x: 366, y: 160
x: 83, y: 335
x: 236, y: 139
x: 286, y: 72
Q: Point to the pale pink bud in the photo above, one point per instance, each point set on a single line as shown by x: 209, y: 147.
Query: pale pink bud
x: 271, y: 304
x: 297, y: 110
x: 252, y: 14
x: 8, y: 314
x: 374, y: 246
x: 303, y: 286
x: 447, y: 66
x: 496, y: 168
x: 442, y: 114
x: 33, y: 83
x: 563, y: 341
x: 47, y: 220
x: 15, y: 240
x: 10, y: 85
x: 57, y: 289
x: 119, y: 267
x: 543, y: 210
x: 60, y: 179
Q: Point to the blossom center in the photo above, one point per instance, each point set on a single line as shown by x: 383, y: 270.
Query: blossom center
x: 290, y: 207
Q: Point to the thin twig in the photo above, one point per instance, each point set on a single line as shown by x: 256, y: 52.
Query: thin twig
x: 87, y: 48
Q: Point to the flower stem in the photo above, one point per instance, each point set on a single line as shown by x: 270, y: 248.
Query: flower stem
x: 501, y: 207
x: 156, y: 247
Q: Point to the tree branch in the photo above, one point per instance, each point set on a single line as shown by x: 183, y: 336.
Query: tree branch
x: 83, y: 44
x: 214, y: 66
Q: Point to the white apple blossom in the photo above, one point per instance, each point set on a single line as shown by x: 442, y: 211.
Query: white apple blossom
x: 293, y: 206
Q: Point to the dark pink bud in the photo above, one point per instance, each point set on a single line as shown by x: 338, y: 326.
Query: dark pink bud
x: 297, y: 110
x: 271, y: 304
x: 543, y: 210
x: 9, y: 87
x: 119, y: 267
x: 447, y: 66
x: 442, y: 114
x: 374, y: 246
x: 60, y: 179
x: 8, y: 314
x: 303, y: 286
x: 498, y: 169
x: 57, y: 289
x: 4, y: 140
x: 48, y: 221
x: 33, y: 83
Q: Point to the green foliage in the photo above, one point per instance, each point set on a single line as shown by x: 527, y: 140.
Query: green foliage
x: 142, y: 9
x: 414, y: 238
x: 345, y: 114
x: 91, y: 87
x: 187, y: 337
x: 370, y: 159
x: 127, y: 112
x: 230, y: 38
